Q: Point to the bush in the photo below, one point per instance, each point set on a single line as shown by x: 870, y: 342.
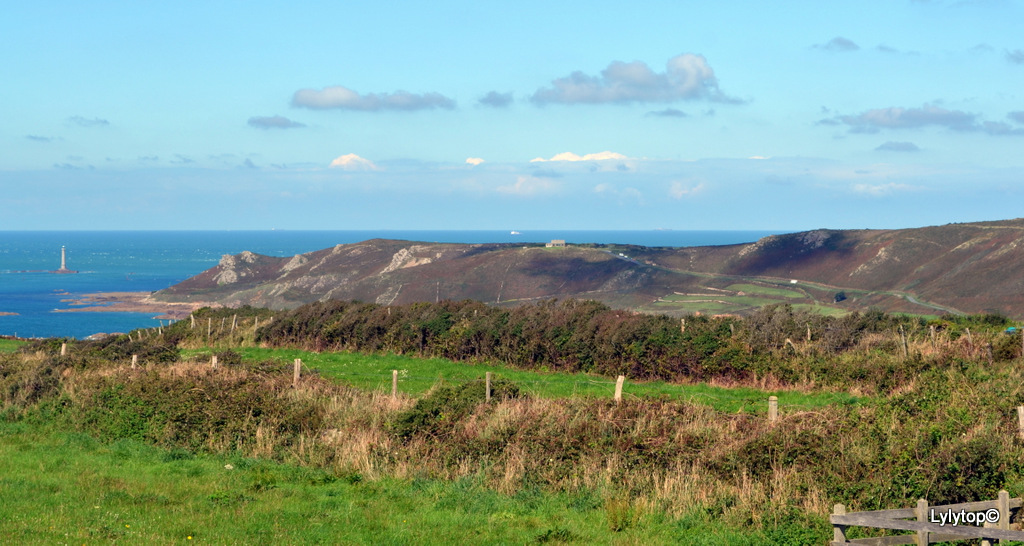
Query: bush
x: 437, y: 412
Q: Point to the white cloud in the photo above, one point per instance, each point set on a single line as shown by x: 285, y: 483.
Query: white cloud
x: 678, y: 189
x: 346, y: 99
x: 474, y: 160
x: 686, y: 77
x: 871, y: 121
x: 495, y: 99
x: 273, y: 122
x: 352, y: 162
x: 896, y: 146
x: 879, y: 190
x: 86, y: 122
x: 569, y: 156
x: 838, y: 44
x: 528, y: 185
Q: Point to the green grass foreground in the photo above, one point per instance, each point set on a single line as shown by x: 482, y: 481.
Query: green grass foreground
x: 61, y: 487
x: 417, y: 375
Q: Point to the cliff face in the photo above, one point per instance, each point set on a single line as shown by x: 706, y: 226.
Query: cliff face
x: 976, y: 267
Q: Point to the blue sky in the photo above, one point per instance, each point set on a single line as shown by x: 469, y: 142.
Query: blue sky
x: 525, y: 115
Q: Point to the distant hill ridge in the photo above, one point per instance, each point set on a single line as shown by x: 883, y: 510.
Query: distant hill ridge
x: 971, y: 267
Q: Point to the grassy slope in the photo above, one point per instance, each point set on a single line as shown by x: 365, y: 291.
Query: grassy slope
x: 61, y: 488
x: 417, y: 375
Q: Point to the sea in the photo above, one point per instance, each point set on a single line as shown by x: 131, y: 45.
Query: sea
x: 145, y: 261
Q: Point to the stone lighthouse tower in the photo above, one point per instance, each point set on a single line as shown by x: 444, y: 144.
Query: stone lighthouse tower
x: 64, y: 262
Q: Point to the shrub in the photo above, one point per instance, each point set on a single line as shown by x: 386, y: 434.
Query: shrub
x: 438, y: 411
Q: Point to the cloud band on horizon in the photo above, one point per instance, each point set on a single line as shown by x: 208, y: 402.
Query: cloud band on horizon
x: 343, y: 98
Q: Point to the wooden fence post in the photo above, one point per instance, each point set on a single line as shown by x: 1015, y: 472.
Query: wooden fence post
x: 256, y: 326
x: 298, y: 371
x: 903, y: 340
x: 487, y: 379
x: 1020, y: 421
x: 773, y: 409
x: 193, y: 319
x: 922, y: 515
x: 234, y: 322
x: 209, y: 326
x: 213, y: 362
x: 618, y: 388
x: 1003, y: 505
x: 394, y: 384
x: 63, y: 349
x: 839, y: 531
x: 135, y: 361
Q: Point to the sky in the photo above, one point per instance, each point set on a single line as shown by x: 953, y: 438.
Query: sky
x: 510, y: 115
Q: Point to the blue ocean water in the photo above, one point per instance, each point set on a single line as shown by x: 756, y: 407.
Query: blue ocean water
x: 143, y: 261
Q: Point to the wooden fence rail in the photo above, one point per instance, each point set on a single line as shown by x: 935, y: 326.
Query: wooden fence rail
x: 932, y: 523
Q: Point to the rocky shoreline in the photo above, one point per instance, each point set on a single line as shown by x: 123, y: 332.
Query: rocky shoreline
x: 131, y: 302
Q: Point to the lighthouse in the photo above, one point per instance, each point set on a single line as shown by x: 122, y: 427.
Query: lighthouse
x: 64, y: 262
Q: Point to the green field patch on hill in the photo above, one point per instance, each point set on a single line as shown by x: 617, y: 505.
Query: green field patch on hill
x: 10, y: 345
x: 724, y: 297
x: 820, y: 309
x: 766, y: 291
x: 418, y: 375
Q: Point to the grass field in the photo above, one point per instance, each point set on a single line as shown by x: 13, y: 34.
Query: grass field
x: 820, y: 309
x: 744, y: 301
x: 68, y: 488
x: 417, y: 375
x: 10, y: 345
x: 767, y: 291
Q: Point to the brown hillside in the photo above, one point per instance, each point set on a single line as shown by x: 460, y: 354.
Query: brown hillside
x: 972, y: 267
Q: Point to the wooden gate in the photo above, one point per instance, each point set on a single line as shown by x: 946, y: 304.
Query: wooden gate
x: 987, y: 520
